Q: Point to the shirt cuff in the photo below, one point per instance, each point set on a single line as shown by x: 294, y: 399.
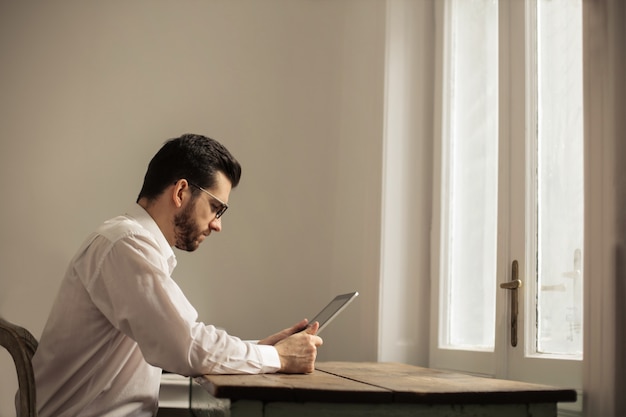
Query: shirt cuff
x: 269, y: 358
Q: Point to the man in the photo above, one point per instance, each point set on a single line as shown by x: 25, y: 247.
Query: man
x: 119, y: 318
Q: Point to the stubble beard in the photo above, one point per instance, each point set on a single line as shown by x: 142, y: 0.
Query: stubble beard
x: 187, y: 231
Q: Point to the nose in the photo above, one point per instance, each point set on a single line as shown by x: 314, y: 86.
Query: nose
x: 216, y: 225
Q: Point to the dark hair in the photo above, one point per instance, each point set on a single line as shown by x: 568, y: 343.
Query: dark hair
x: 195, y: 158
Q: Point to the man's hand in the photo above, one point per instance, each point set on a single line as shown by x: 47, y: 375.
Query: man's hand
x: 297, y: 349
x: 283, y: 334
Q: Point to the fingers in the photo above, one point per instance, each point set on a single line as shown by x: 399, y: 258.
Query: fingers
x: 299, y: 351
x: 299, y: 326
x: 312, y: 329
x: 277, y: 337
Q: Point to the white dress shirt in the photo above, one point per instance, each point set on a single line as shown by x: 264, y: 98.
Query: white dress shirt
x: 118, y: 319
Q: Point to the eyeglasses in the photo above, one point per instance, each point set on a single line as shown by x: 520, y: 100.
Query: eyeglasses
x: 223, y: 206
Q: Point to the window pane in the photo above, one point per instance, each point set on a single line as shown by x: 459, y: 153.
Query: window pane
x: 469, y: 197
x: 559, y: 177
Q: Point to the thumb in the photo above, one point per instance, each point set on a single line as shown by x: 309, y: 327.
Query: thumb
x: 312, y: 329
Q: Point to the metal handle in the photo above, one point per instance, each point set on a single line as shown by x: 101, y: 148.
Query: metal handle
x: 512, y: 286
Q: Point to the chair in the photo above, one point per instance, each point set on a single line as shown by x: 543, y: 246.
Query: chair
x: 22, y: 345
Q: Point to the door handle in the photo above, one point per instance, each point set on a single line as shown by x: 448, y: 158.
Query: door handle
x: 513, y: 286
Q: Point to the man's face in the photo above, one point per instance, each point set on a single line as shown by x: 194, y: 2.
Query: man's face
x: 197, y: 219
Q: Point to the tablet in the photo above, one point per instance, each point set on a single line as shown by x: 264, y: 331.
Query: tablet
x: 333, y: 308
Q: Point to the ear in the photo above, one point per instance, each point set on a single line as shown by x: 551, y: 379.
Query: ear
x: 179, y: 194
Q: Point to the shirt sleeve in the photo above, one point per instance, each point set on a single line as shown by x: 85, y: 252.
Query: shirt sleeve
x: 131, y: 286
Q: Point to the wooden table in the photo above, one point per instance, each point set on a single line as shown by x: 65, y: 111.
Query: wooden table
x: 372, y: 389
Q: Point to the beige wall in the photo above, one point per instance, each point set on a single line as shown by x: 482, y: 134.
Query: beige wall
x: 90, y: 90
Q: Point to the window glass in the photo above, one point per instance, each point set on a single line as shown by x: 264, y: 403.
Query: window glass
x: 559, y: 177
x: 470, y: 162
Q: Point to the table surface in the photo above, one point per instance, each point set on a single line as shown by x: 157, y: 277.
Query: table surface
x: 381, y: 382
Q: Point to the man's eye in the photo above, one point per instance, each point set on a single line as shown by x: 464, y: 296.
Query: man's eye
x: 215, y: 208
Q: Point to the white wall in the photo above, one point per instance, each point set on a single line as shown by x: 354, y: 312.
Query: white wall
x: 407, y: 182
x: 90, y: 90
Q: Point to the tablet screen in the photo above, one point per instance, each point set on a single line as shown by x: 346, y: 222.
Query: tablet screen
x: 333, y: 309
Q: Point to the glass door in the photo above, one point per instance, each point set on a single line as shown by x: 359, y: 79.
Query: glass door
x: 546, y: 193
x: 507, y: 286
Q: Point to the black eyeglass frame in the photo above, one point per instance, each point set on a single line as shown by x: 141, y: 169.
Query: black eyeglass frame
x: 220, y: 212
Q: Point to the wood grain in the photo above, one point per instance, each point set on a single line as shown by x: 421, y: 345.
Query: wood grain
x: 375, y: 382
x: 415, y: 384
x: 317, y: 386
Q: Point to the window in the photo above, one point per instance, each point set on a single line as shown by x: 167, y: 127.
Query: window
x: 512, y: 181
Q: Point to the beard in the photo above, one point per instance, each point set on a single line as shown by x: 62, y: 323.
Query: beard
x: 187, y: 232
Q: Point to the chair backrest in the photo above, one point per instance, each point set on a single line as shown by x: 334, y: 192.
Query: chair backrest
x: 22, y: 346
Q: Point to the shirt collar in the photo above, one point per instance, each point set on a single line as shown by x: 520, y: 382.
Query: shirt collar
x: 144, y: 219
